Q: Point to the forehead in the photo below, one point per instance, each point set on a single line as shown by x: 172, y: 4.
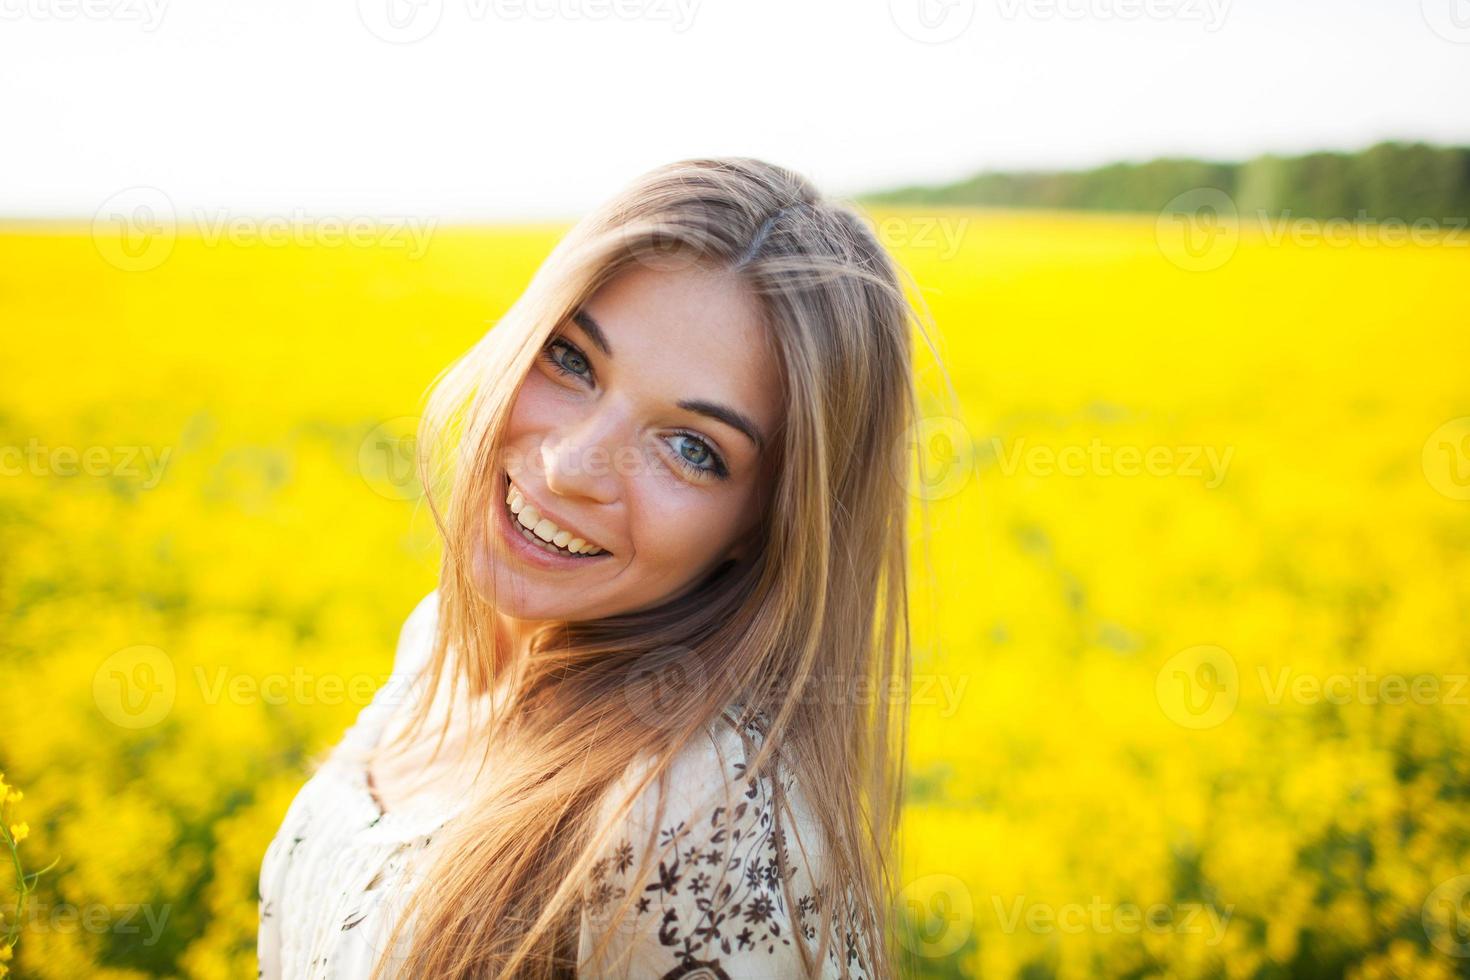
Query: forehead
x: 691, y: 334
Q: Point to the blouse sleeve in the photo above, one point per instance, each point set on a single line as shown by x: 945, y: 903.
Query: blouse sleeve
x: 415, y: 643
x: 267, y: 940
x: 710, y: 904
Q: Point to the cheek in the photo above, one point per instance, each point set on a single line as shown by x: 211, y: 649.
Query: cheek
x: 680, y: 528
x: 536, y: 406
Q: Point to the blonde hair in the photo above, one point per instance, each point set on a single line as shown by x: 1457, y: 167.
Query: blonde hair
x: 820, y: 606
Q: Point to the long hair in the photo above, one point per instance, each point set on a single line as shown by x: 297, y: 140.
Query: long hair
x: 804, y: 631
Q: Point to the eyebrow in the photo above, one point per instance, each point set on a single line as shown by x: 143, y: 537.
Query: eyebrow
x: 728, y: 416
x: 592, y: 330
x: 721, y: 413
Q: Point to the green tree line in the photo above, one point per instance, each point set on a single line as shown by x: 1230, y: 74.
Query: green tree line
x: 1408, y: 181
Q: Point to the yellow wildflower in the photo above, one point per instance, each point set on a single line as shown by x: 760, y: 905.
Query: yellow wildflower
x: 19, y: 831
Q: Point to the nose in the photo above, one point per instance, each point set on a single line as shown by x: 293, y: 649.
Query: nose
x: 584, y: 459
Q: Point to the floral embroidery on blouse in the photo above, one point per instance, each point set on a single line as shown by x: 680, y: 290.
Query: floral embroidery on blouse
x: 714, y: 907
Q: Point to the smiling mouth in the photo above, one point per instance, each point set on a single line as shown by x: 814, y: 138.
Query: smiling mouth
x: 543, y: 532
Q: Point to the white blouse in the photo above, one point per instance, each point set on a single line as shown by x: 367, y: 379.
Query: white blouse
x: 339, y: 869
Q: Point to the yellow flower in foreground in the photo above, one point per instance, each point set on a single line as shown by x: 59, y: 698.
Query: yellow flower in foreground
x: 19, y: 831
x: 14, y: 796
x: 5, y: 953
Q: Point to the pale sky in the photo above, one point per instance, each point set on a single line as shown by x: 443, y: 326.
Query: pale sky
x: 542, y: 108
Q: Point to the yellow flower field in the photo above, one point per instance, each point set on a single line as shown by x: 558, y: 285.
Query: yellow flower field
x: 1191, y: 689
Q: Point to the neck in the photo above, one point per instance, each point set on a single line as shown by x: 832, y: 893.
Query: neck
x: 513, y: 640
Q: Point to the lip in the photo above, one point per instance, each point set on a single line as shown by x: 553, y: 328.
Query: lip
x: 534, y: 554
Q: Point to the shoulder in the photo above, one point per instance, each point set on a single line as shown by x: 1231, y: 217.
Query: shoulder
x: 712, y: 770
x: 720, y: 877
x: 710, y: 792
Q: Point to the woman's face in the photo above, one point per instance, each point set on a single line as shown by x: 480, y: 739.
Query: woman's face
x: 644, y: 429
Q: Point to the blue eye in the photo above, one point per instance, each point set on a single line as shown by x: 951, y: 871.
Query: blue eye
x: 574, y: 362
x: 698, y: 457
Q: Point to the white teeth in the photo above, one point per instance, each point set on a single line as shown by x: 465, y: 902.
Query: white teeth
x: 529, y: 518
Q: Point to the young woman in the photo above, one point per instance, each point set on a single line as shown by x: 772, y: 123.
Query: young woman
x: 650, y: 723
